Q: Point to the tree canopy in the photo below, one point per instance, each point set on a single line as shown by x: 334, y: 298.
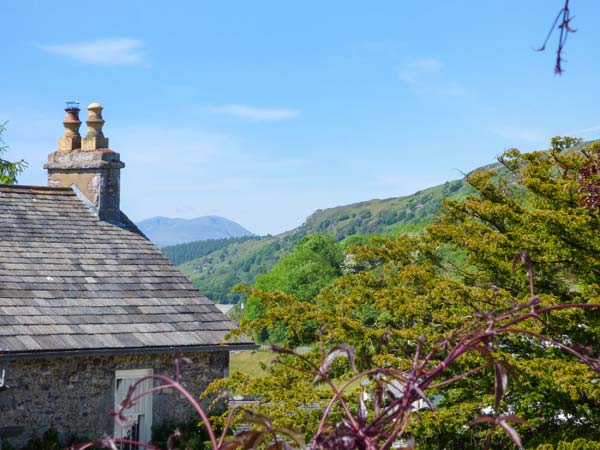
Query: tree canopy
x: 429, y: 284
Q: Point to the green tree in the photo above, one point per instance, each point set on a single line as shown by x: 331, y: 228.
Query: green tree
x: 312, y: 265
x: 8, y: 170
x: 418, y: 288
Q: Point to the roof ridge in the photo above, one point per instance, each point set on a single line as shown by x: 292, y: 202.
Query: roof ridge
x: 48, y: 190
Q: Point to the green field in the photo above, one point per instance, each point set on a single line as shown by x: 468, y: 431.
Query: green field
x: 250, y: 362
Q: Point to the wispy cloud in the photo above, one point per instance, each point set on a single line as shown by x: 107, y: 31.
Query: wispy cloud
x: 426, y: 76
x: 257, y: 114
x: 593, y: 129
x: 522, y: 134
x: 106, y: 52
x: 413, y: 70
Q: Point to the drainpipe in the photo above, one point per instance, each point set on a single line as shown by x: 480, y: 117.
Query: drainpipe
x: 4, y: 375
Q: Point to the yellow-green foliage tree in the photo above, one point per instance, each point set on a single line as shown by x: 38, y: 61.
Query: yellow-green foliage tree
x: 460, y: 268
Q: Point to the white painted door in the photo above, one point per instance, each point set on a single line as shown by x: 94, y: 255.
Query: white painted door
x: 139, y: 416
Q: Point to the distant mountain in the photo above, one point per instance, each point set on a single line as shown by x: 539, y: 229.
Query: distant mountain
x: 166, y: 231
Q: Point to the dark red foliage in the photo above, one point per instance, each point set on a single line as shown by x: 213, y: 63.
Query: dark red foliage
x: 589, y: 181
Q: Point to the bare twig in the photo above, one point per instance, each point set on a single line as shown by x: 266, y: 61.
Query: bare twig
x: 563, y: 20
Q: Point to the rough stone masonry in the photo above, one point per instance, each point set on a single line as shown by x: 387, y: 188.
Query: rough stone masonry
x: 77, y: 394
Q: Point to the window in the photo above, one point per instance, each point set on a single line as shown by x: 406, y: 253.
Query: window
x: 139, y: 416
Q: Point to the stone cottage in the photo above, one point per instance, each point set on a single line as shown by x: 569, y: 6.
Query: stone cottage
x: 88, y: 305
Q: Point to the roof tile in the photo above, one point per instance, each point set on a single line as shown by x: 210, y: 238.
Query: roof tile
x: 69, y: 281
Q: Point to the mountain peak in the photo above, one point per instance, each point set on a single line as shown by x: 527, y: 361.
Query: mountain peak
x: 170, y: 231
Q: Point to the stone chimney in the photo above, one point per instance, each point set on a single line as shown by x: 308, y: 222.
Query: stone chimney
x: 88, y: 163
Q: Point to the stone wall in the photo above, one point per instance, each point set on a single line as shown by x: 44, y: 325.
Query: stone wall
x: 76, y: 395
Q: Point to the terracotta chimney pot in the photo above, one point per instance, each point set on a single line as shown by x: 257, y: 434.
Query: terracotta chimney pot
x: 71, y: 138
x: 94, y: 139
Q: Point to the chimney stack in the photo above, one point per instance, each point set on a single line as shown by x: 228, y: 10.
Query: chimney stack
x: 88, y: 163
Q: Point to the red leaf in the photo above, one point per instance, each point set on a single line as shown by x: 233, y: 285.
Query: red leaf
x: 362, y: 412
x: 480, y: 419
x: 500, y: 384
x: 421, y: 394
x: 279, y: 349
x: 524, y: 258
x: 512, y: 433
x: 340, y: 350
x: 231, y: 445
x: 511, y: 418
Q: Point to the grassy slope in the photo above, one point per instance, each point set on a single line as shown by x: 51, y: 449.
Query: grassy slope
x: 182, y: 253
x: 249, y: 362
x: 216, y: 273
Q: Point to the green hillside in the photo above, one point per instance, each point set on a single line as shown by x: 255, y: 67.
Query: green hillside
x: 240, y: 262
x: 392, y: 215
x: 215, y: 273
x: 181, y: 253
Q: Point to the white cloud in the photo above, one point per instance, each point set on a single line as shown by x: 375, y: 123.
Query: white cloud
x: 414, y: 69
x: 257, y: 114
x: 106, y: 52
x: 426, y: 76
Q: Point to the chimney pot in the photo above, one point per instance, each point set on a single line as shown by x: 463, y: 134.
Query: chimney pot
x: 88, y: 163
x: 71, y: 138
x: 94, y: 139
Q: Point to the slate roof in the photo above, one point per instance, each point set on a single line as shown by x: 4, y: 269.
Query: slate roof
x: 70, y: 282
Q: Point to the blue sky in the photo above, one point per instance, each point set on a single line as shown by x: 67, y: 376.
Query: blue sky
x: 265, y: 111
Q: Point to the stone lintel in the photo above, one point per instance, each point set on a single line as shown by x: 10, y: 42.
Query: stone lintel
x: 76, y: 165
x: 102, y: 158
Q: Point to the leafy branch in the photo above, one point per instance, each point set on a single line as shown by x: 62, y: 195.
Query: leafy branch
x: 9, y: 171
